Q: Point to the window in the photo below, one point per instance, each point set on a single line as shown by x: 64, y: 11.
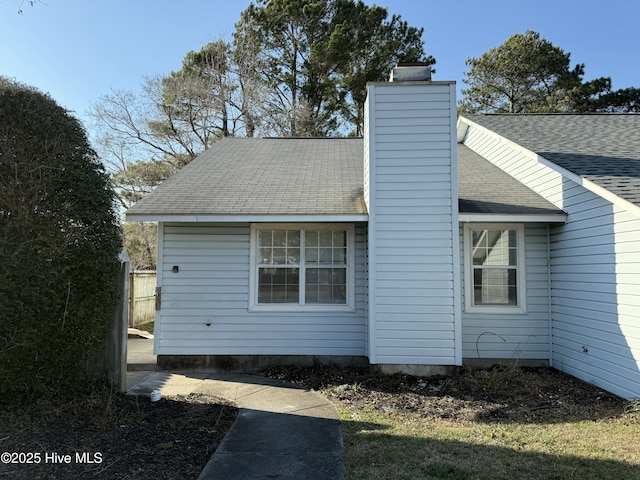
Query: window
x: 305, y: 266
x: 494, y: 268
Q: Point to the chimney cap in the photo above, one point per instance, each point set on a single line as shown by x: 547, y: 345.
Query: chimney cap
x: 411, y: 72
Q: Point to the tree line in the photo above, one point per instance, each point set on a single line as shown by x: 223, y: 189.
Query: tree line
x: 528, y: 74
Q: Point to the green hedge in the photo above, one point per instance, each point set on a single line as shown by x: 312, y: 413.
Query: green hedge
x: 59, y: 242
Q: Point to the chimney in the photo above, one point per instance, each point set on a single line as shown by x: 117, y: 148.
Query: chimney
x: 413, y: 250
x: 411, y: 72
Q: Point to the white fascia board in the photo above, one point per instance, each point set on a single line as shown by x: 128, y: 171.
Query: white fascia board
x: 465, y: 123
x: 461, y: 129
x: 589, y: 185
x: 509, y: 218
x: 246, y: 218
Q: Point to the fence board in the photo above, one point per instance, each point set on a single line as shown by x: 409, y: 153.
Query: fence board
x: 115, y: 359
x: 142, y: 297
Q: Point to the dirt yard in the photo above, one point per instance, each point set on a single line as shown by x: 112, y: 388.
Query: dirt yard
x: 115, y: 437
x: 523, y: 394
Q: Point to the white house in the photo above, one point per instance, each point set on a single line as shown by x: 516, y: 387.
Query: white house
x: 429, y: 243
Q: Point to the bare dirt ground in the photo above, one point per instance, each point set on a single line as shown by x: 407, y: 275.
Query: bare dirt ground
x: 499, y: 394
x: 115, y: 437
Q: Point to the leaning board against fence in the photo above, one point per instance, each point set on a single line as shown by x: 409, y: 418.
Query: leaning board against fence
x: 142, y: 297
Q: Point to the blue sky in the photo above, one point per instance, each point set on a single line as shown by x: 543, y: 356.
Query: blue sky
x: 77, y: 50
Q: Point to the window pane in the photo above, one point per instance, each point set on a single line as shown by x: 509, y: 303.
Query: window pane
x: 513, y: 256
x: 293, y: 238
x: 266, y: 255
x: 311, y: 238
x: 311, y: 252
x: 494, y: 247
x: 479, y: 255
x: 479, y: 238
x: 512, y: 278
x: 324, y: 276
x: 513, y: 296
x: 339, y: 239
x: 279, y: 238
x: 495, y: 286
x: 279, y: 255
x: 339, y: 293
x: 326, y: 239
x: 293, y: 255
x: 326, y: 256
x: 326, y: 285
x: 311, y: 255
x: 278, y: 285
x: 497, y: 248
x: 312, y: 276
x: 265, y: 238
x: 324, y: 294
x: 477, y: 295
x: 479, y: 246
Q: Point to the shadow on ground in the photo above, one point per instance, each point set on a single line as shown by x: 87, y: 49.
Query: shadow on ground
x: 375, y: 453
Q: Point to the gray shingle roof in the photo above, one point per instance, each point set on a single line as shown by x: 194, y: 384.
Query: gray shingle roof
x: 484, y: 188
x: 602, y: 148
x: 312, y: 177
x: 265, y: 177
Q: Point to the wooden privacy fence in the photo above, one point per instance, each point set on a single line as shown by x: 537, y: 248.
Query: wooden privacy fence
x: 142, y: 289
x: 115, y: 359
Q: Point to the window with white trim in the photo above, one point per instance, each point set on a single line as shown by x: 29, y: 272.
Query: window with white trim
x: 494, y: 268
x: 305, y: 266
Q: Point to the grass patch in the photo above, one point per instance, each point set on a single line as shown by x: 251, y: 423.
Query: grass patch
x: 406, y: 446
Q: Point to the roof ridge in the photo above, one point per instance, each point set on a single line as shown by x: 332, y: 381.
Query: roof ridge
x: 557, y: 114
x: 312, y: 138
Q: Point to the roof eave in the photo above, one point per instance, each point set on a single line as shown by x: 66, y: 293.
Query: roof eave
x: 249, y: 218
x: 559, y: 217
x: 463, y: 217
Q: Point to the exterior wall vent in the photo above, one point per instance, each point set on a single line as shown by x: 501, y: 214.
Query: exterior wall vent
x: 411, y: 72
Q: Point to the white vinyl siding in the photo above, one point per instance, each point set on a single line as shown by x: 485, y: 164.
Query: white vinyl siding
x: 595, y: 272
x: 514, y: 336
x: 413, y: 250
x: 596, y: 296
x: 205, y: 305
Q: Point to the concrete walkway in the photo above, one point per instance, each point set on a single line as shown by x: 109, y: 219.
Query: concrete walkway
x: 282, y: 431
x: 140, y: 354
